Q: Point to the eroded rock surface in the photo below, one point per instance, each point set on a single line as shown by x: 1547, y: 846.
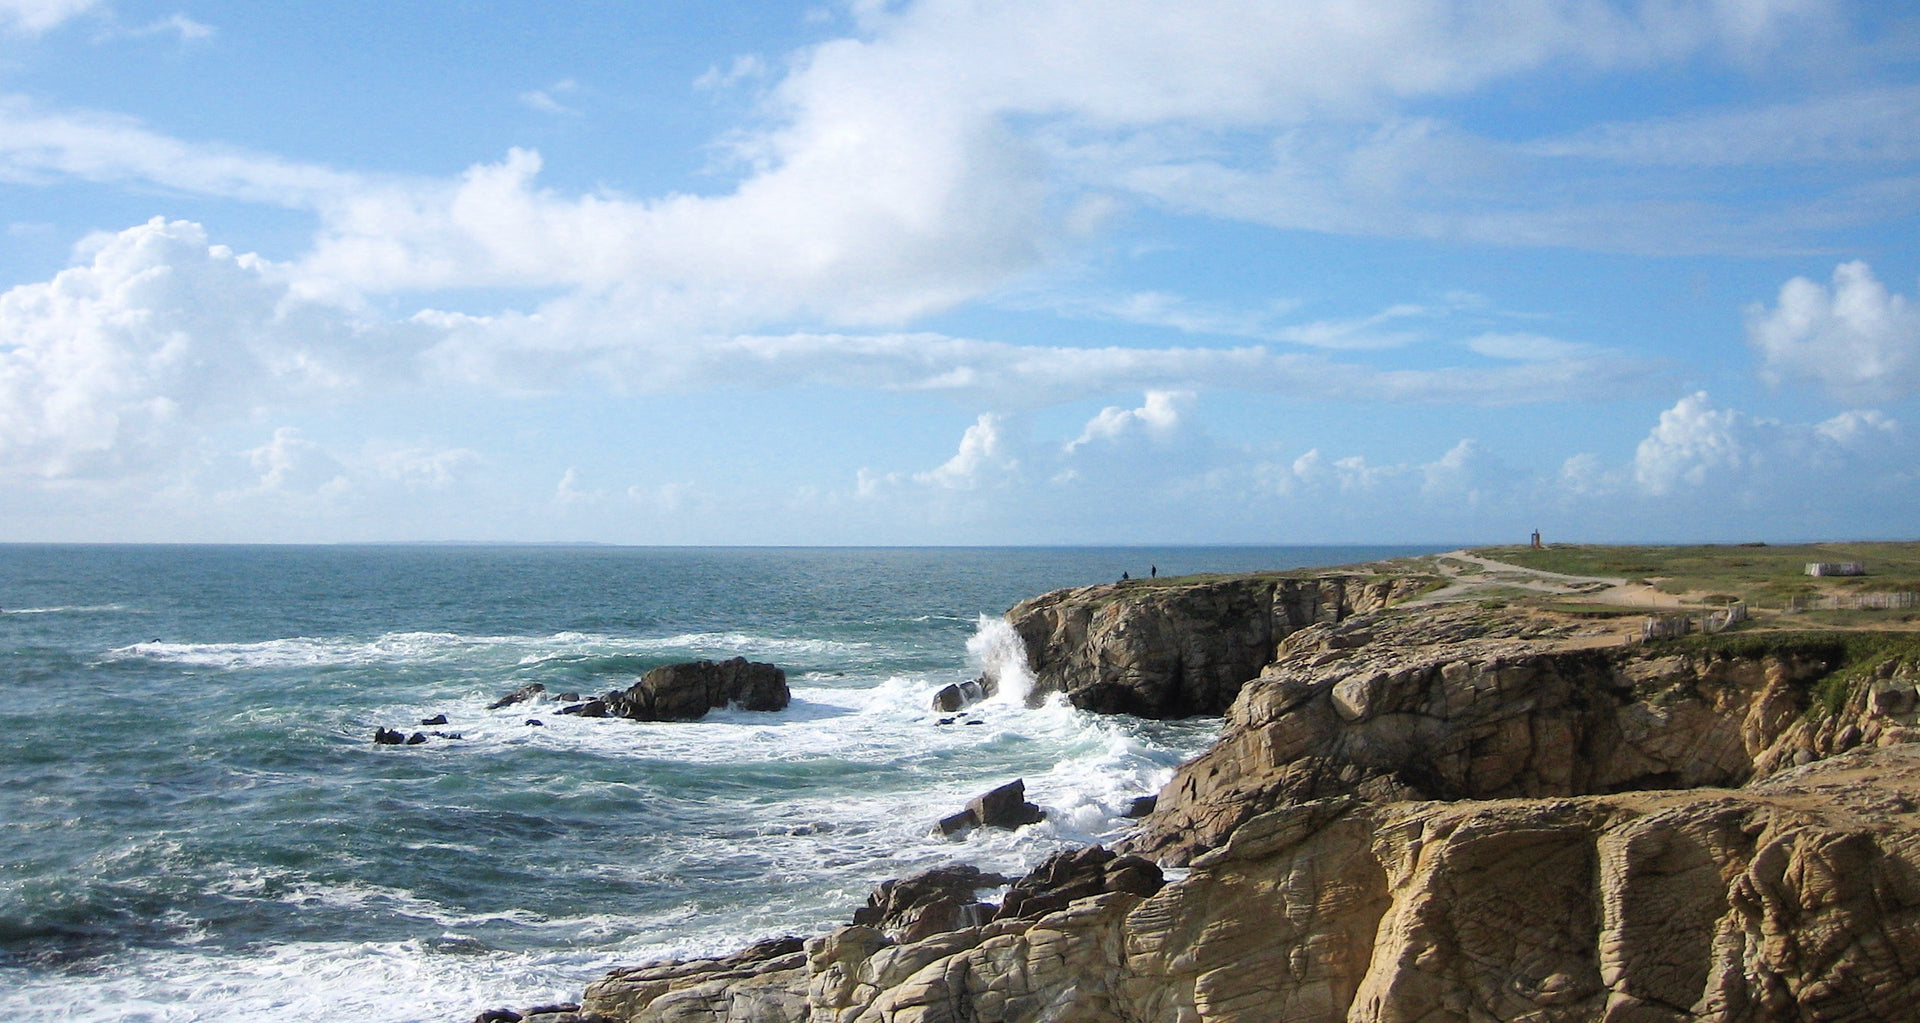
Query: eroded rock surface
x: 1462, y: 702
x: 1164, y: 650
x: 1794, y: 899
x: 1419, y: 815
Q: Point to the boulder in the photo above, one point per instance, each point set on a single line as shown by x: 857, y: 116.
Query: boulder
x: 1073, y: 874
x: 685, y: 692
x: 388, y: 737
x: 437, y: 719
x: 1003, y: 807
x: 953, y: 697
x: 941, y: 899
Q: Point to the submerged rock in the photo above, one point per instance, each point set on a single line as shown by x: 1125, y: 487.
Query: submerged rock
x: 520, y: 695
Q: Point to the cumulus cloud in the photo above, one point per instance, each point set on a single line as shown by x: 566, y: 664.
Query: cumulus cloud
x: 982, y: 456
x: 115, y: 366
x: 1697, y: 446
x: 1854, y: 339
x: 1157, y: 418
x: 290, y: 462
x: 1691, y: 440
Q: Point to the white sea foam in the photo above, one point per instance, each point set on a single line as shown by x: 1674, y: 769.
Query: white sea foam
x: 429, y: 647
x: 997, y: 651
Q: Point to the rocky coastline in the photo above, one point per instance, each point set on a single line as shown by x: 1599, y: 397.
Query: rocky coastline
x: 1417, y: 810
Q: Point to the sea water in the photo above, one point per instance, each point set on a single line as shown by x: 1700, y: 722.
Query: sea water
x: 196, y: 825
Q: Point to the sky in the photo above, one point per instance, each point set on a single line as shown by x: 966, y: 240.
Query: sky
x: 960, y: 271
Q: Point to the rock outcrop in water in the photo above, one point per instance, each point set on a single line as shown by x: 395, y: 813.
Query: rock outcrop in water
x: 1418, y: 815
x: 1175, y: 649
x: 687, y: 691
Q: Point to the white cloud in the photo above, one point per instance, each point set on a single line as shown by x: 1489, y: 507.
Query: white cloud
x: 423, y: 468
x: 545, y: 101
x: 982, y: 457
x: 38, y: 145
x: 744, y: 67
x: 1856, y: 340
x: 115, y: 367
x: 32, y: 17
x: 1701, y: 448
x: 1157, y: 418
x: 950, y: 148
x: 1693, y: 439
x: 1528, y: 348
x: 1868, y: 125
x: 290, y: 462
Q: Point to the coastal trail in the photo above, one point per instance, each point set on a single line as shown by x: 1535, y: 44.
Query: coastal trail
x: 1472, y: 576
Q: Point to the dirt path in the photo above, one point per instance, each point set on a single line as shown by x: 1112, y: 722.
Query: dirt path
x: 1471, y: 576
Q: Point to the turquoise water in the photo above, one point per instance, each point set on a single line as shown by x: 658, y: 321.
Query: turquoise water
x: 195, y: 825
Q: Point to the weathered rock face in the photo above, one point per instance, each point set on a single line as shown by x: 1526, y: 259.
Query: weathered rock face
x: 1464, y: 703
x: 685, y: 692
x: 1427, y: 816
x: 1179, y: 649
x: 1798, y: 898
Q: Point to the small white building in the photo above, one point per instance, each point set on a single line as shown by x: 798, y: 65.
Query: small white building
x: 1836, y: 568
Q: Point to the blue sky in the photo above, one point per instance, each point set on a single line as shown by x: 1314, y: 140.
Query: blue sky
x: 958, y: 272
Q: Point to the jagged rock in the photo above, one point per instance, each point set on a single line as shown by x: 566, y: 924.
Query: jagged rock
x: 685, y: 692
x: 1795, y: 899
x: 765, y: 982
x: 388, y: 737
x: 1073, y: 874
x: 1140, y: 806
x: 437, y: 719
x: 498, y: 1016
x: 1464, y: 702
x: 941, y: 899
x: 416, y: 738
x: 520, y: 695
x: 1164, y: 651
x: 1002, y: 807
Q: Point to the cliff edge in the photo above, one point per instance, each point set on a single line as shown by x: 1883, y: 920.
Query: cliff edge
x: 1419, y: 811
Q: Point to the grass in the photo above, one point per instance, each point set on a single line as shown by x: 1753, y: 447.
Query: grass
x: 1765, y: 576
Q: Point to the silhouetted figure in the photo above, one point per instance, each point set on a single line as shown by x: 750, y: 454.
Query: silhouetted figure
x: 1124, y: 577
x: 1153, y: 571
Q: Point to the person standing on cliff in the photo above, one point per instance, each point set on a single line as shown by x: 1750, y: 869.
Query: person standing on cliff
x: 1153, y: 571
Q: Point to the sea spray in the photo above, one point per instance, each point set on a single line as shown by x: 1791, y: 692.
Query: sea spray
x: 999, y: 654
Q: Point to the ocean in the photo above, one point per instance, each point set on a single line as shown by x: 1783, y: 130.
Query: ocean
x: 196, y: 825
